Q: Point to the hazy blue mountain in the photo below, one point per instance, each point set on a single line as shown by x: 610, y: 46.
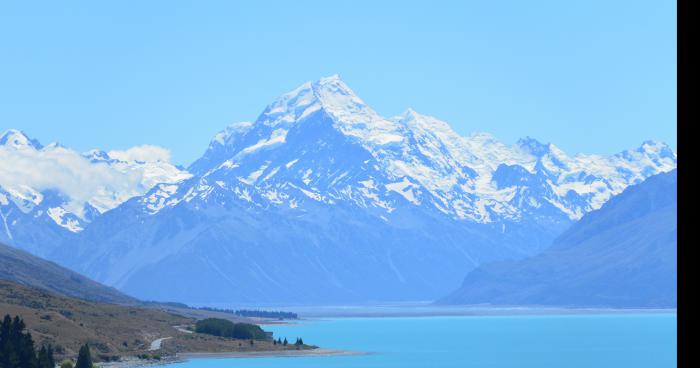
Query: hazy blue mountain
x: 322, y: 200
x: 622, y: 255
x: 23, y: 268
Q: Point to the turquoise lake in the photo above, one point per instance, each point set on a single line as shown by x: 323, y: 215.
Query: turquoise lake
x: 595, y: 340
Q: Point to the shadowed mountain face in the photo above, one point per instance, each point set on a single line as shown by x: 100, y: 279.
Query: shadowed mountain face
x: 23, y: 268
x: 622, y: 255
x: 322, y: 200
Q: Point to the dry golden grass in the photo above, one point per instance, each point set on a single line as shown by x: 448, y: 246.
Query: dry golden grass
x: 111, y: 330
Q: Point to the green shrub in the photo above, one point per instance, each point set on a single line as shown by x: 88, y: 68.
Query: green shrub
x: 226, y: 328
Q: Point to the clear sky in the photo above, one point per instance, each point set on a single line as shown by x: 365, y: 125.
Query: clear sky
x: 588, y: 76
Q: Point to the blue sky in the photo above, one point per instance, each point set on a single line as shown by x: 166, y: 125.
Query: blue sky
x: 589, y: 76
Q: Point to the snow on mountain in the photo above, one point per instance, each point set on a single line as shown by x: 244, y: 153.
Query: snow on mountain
x: 288, y: 207
x: 420, y: 158
x: 629, y: 246
x: 53, y: 186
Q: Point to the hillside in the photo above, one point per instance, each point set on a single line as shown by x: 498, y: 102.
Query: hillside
x: 23, y: 268
x: 623, y: 255
x: 112, y: 331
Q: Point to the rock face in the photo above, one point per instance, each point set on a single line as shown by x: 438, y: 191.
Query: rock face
x: 322, y: 200
x: 622, y: 255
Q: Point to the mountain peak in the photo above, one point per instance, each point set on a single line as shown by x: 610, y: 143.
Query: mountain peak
x: 410, y: 114
x: 333, y: 92
x: 654, y: 146
x: 330, y: 94
x: 17, y: 139
x: 97, y: 155
x: 533, y: 146
x: 331, y: 79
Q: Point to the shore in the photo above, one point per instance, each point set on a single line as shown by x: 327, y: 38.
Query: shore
x: 271, y: 354
x: 431, y: 310
x: 134, y: 362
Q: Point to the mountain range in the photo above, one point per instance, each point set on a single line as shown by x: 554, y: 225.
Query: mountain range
x: 621, y: 255
x: 319, y: 200
x: 48, y: 193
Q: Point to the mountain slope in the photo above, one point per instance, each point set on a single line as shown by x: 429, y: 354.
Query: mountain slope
x: 23, y: 268
x: 289, y: 208
x: 622, y: 255
x: 67, y: 323
x: 48, y: 193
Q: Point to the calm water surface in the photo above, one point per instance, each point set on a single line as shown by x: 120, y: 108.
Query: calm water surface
x: 621, y: 340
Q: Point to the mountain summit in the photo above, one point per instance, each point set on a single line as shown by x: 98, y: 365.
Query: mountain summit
x: 288, y: 208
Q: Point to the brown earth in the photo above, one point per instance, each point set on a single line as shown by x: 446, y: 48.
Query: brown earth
x: 111, y: 330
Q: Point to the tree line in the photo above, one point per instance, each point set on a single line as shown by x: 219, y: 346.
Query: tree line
x: 254, y: 313
x: 225, y: 328
x: 17, y: 348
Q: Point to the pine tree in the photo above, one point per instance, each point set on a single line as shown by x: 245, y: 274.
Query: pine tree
x: 52, y: 361
x: 16, y: 345
x: 84, y: 358
x: 285, y: 342
x: 43, y: 358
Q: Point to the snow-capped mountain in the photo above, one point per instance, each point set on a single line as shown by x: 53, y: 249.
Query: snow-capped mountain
x: 622, y: 255
x: 49, y: 192
x: 290, y: 207
x: 416, y: 157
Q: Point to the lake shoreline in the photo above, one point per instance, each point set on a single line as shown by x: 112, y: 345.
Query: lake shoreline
x: 133, y: 362
x: 394, y: 311
x: 271, y: 354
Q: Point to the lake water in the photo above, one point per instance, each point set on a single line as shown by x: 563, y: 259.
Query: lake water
x: 591, y: 341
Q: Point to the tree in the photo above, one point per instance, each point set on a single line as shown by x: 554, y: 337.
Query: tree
x: 67, y: 364
x: 52, y: 361
x: 43, y: 358
x: 16, y: 345
x: 84, y: 358
x: 285, y: 342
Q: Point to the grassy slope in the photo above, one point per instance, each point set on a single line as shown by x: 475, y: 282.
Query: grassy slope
x: 23, y: 268
x: 111, y: 330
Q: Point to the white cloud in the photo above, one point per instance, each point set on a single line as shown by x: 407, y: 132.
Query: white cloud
x: 101, y: 184
x: 144, y: 153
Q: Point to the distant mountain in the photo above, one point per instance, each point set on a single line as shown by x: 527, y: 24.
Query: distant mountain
x: 48, y: 193
x: 322, y: 200
x: 622, y: 255
x: 23, y: 268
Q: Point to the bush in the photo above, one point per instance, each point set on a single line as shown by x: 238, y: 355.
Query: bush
x: 226, y: 328
x: 66, y: 364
